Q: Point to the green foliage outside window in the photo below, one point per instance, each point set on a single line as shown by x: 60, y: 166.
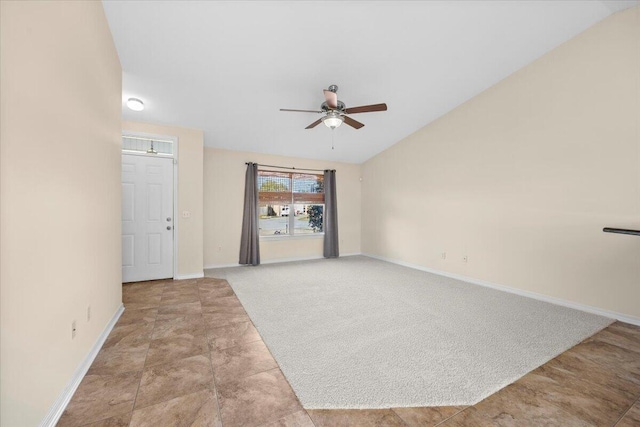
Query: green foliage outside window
x: 315, y: 217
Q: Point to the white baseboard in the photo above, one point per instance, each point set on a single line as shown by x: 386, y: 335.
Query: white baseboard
x: 56, y: 410
x: 208, y: 267
x: 541, y: 297
x: 278, y: 260
x: 351, y: 254
x: 292, y: 259
x: 189, y: 276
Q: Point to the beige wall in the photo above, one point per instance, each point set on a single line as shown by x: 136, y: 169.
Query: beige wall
x: 60, y: 190
x: 523, y: 178
x: 224, y: 172
x: 190, y: 192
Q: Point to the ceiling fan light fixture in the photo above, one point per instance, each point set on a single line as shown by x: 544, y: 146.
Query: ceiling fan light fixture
x: 332, y: 121
x: 135, y: 104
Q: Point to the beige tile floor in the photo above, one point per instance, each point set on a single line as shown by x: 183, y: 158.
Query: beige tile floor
x: 185, y: 353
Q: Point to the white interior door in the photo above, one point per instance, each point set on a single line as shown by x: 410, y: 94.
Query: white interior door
x: 147, y: 218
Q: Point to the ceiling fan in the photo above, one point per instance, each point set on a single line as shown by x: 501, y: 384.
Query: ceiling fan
x: 335, y: 111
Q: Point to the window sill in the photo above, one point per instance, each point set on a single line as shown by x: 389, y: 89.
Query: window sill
x: 292, y: 237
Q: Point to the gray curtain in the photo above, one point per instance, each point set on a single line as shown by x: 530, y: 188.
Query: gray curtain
x: 249, y: 242
x: 331, y: 249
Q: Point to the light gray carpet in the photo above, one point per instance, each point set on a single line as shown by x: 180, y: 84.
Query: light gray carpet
x: 356, y: 332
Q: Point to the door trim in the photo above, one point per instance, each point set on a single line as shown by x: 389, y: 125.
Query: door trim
x: 175, y: 141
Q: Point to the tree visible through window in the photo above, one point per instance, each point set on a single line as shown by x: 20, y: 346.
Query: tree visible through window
x: 290, y: 203
x: 315, y: 217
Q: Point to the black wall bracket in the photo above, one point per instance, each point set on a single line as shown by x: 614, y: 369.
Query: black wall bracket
x: 621, y: 231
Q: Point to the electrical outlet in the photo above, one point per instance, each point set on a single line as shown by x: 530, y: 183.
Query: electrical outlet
x: 73, y: 329
x: 186, y: 214
x: 444, y: 255
x: 89, y: 314
x: 465, y: 258
x: 219, y: 248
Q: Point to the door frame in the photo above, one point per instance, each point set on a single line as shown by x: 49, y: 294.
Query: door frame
x: 174, y: 140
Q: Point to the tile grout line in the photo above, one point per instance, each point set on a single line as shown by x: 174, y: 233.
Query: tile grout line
x: 591, y: 339
x: 104, y: 419
x: 448, y: 418
x: 238, y: 345
x: 267, y: 347
x: 210, y: 361
x: 159, y: 364
x: 133, y: 408
x: 604, y: 365
x: 626, y: 412
x: 271, y: 354
x: 312, y: 422
x: 399, y: 417
x: 594, y: 338
x: 435, y: 425
x: 213, y: 376
x: 210, y: 351
x: 111, y: 374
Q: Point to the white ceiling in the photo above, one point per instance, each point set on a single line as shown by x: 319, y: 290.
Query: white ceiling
x: 227, y: 67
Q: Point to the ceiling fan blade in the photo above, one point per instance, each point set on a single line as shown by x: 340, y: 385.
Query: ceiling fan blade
x: 331, y: 98
x: 301, y: 111
x: 366, y: 109
x: 353, y: 123
x: 314, y: 124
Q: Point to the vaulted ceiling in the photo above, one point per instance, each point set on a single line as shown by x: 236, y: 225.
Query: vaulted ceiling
x: 228, y: 67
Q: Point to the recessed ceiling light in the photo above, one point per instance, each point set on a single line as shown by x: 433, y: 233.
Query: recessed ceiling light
x: 135, y: 104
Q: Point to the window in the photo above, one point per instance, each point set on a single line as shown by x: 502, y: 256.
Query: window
x: 137, y: 144
x: 290, y: 203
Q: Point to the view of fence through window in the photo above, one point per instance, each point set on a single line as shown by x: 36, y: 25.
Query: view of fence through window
x: 290, y: 203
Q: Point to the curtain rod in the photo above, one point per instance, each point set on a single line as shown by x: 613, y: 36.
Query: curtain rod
x: 291, y: 168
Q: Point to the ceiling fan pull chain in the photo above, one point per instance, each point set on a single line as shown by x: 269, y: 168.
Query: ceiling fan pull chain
x: 332, y: 137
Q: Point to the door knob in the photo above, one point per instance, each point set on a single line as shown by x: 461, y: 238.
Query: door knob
x: 168, y: 227
x: 168, y: 219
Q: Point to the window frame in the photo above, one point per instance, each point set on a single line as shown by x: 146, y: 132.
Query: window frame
x: 292, y: 211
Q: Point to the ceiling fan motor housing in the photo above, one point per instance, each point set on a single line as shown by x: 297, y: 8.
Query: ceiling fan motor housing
x: 325, y: 107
